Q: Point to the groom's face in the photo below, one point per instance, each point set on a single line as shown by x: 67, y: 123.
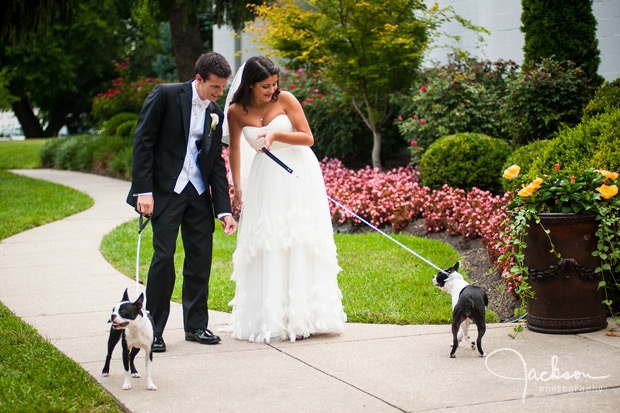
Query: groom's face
x: 211, y: 88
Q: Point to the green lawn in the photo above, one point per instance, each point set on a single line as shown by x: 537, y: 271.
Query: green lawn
x: 380, y: 282
x: 34, y: 375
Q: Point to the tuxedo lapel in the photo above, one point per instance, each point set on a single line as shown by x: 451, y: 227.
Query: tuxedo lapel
x: 207, y: 132
x: 186, y: 107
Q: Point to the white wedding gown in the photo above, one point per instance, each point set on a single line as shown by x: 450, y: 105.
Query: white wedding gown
x: 285, y: 264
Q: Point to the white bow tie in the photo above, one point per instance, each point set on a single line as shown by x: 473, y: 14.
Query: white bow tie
x: 203, y: 104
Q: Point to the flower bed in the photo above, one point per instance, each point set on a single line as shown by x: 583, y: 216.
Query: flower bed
x: 396, y: 199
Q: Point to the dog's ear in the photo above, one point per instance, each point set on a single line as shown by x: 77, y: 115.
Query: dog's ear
x: 455, y: 267
x: 138, y: 303
x: 125, y: 296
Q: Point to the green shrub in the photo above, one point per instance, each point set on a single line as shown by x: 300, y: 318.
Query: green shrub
x: 544, y: 96
x: 48, y: 152
x: 127, y: 129
x: 124, y: 95
x: 462, y: 96
x: 110, y: 126
x: 524, y: 157
x: 120, y: 164
x: 593, y: 143
x: 464, y: 160
x: 605, y: 99
x: 89, y: 153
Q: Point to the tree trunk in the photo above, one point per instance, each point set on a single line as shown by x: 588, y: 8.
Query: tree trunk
x: 376, y: 147
x: 27, y: 119
x: 185, y: 37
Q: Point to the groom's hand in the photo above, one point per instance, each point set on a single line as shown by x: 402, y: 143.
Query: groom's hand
x: 145, y: 204
x: 229, y: 224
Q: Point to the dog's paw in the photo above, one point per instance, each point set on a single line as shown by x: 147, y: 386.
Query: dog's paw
x: 105, y: 373
x: 135, y: 375
x: 483, y: 354
x: 151, y: 386
x: 452, y: 356
x: 126, y: 386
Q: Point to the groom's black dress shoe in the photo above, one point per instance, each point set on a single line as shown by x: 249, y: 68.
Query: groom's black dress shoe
x: 202, y: 335
x: 158, y: 345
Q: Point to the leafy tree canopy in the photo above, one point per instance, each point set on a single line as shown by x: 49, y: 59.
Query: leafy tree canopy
x: 370, y: 48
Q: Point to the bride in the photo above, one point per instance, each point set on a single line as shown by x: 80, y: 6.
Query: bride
x: 285, y: 264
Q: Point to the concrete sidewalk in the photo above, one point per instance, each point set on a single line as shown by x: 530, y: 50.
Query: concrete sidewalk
x: 55, y: 278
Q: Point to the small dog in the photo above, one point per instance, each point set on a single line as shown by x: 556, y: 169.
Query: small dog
x: 135, y: 326
x: 468, y: 304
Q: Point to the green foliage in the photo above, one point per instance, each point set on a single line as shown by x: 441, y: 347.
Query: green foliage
x: 544, y: 96
x: 120, y: 164
x: 462, y: 96
x: 127, y: 129
x: 564, y: 29
x: 593, y: 143
x: 338, y: 130
x: 111, y: 125
x: 370, y: 49
x: 124, y: 96
x: 605, y: 99
x: 524, y: 157
x: 87, y: 153
x: 61, y: 71
x: 464, y: 160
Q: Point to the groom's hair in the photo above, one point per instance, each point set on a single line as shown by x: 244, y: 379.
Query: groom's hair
x: 212, y: 63
x: 257, y: 69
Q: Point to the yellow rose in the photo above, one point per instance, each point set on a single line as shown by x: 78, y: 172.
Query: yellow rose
x: 609, y: 175
x: 525, y: 192
x: 531, y: 188
x: 512, y: 172
x: 607, y: 191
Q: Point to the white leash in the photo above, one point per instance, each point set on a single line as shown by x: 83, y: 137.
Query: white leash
x: 290, y: 171
x: 141, y: 228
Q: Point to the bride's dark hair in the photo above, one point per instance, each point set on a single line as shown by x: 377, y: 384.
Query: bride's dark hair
x: 257, y: 69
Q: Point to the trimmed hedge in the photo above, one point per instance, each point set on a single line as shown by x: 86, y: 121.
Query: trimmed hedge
x: 464, y: 160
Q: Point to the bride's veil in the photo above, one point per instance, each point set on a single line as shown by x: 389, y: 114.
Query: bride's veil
x: 246, y: 152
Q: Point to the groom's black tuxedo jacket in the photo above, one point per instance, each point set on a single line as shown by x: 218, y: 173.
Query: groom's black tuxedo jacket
x: 160, y: 144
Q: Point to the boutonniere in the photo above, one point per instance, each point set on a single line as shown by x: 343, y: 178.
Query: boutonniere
x: 215, y: 119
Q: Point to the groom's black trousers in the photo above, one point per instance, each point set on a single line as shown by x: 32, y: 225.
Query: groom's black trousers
x: 194, y: 214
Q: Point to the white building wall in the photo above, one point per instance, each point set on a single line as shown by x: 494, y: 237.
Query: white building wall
x: 501, y: 17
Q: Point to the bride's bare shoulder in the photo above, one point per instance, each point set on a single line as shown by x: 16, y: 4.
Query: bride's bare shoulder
x: 235, y: 110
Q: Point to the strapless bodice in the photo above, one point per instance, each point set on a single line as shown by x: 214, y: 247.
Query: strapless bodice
x: 280, y: 123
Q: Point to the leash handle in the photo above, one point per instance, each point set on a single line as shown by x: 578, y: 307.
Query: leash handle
x: 141, y: 227
x: 278, y: 161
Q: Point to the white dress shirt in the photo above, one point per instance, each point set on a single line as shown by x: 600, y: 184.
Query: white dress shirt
x: 191, y: 171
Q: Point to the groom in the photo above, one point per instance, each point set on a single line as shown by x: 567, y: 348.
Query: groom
x: 179, y: 178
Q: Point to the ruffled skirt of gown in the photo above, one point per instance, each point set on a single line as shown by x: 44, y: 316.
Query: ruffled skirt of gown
x: 285, y: 264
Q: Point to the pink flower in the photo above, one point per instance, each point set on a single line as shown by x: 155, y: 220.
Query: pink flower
x: 310, y: 100
x: 316, y: 90
x: 422, y: 121
x: 414, y: 143
x: 423, y: 88
x: 303, y: 102
x: 400, y: 118
x: 462, y: 106
x: 292, y: 86
x: 415, y: 117
x: 320, y: 95
x: 299, y: 72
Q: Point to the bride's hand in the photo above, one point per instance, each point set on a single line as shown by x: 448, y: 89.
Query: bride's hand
x: 237, y: 203
x: 270, y: 137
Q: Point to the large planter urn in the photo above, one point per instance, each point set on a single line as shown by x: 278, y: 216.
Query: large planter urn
x: 567, y: 299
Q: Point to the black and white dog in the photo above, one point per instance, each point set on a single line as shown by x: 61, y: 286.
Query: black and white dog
x: 468, y: 304
x: 135, y: 326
